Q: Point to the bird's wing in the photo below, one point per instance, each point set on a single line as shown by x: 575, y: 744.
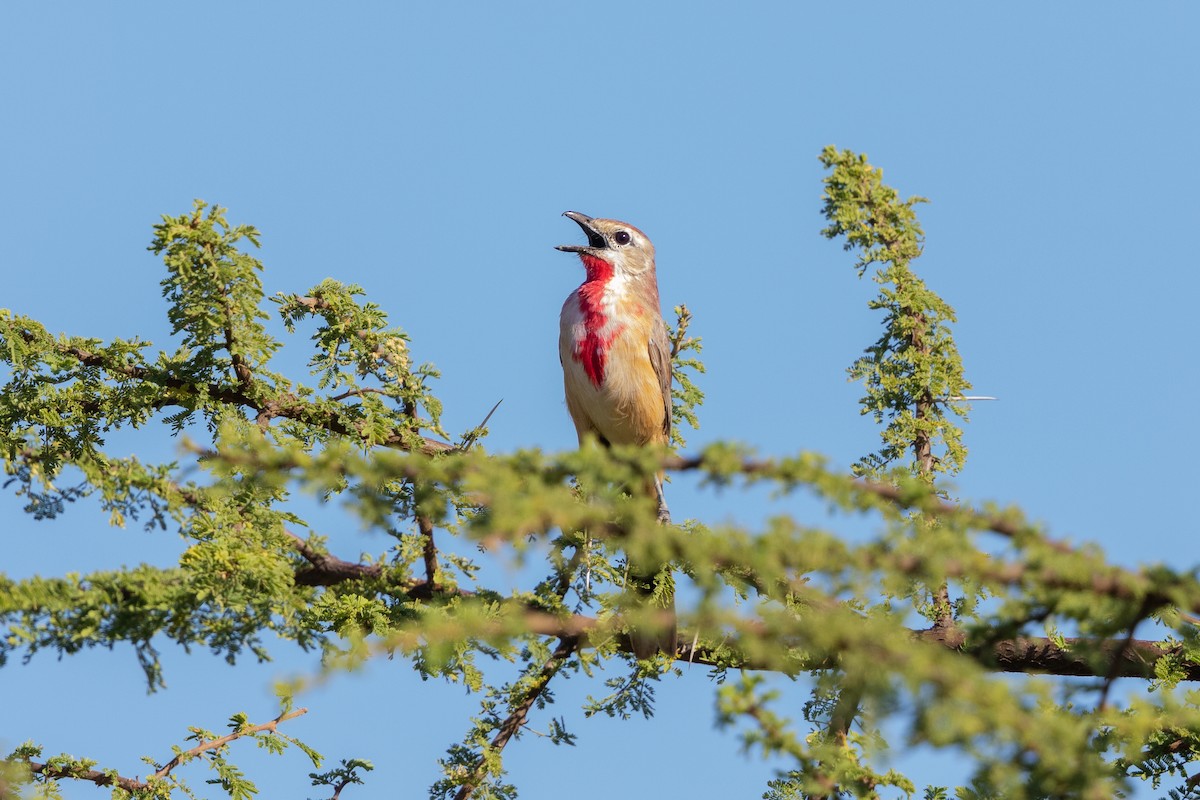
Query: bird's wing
x: 660, y: 360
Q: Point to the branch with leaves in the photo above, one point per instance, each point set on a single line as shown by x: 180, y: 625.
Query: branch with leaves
x: 911, y: 625
x: 162, y: 783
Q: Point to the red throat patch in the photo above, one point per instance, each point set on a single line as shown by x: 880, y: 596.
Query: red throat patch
x: 592, y: 350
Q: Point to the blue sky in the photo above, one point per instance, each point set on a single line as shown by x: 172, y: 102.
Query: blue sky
x: 427, y: 153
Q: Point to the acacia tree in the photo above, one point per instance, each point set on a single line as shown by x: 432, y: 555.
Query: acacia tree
x: 912, y: 626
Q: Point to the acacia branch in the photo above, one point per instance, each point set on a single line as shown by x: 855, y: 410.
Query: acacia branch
x: 516, y: 718
x: 219, y: 742
x: 337, y: 790
x: 1106, y: 658
x: 568, y: 643
x: 1085, y: 658
x: 679, y: 335
x: 326, y: 569
x: 424, y: 523
x: 132, y: 785
x: 428, y: 549
x: 241, y: 369
x: 286, y: 405
x: 337, y: 398
x: 924, y: 501
x: 1081, y: 657
x: 923, y: 450
x: 1113, y: 582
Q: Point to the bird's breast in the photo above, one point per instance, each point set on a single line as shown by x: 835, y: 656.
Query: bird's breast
x: 611, y: 385
x: 593, y: 318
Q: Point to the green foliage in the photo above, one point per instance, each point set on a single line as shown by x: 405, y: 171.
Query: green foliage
x: 913, y: 372
x: 213, y: 292
x: 341, y: 777
x: 629, y: 695
x: 363, y: 429
x: 23, y: 765
x: 685, y: 394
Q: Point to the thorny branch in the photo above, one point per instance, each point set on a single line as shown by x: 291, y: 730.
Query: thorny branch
x: 1134, y: 659
x: 285, y: 405
x: 424, y: 523
x: 134, y: 785
x: 569, y: 641
x: 428, y: 550
x: 1129, y: 658
x: 678, y: 336
x: 95, y: 776
x: 925, y: 502
x: 224, y: 740
x: 1126, y: 658
x: 328, y: 570
x: 241, y: 369
x: 923, y: 449
x: 566, y: 646
x: 337, y: 789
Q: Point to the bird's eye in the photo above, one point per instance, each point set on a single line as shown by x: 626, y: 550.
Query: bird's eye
x: 622, y: 237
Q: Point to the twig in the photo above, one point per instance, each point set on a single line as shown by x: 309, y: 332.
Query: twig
x: 1125, y: 658
x: 678, y: 339
x: 1128, y: 657
x: 337, y: 790
x: 132, y: 785
x: 214, y: 744
x: 428, y: 550
x: 241, y: 369
x: 469, y: 440
x: 566, y: 646
x: 327, y: 570
x: 286, y: 405
x: 424, y: 523
x: 927, y: 503
x: 357, y: 393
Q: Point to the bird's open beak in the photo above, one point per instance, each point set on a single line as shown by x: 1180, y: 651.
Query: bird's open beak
x: 595, y: 240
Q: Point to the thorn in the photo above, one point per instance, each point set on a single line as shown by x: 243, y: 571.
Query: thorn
x: 470, y: 438
x: 490, y: 413
x: 587, y: 571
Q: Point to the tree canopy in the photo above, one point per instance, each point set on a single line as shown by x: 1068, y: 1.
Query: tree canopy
x: 959, y: 626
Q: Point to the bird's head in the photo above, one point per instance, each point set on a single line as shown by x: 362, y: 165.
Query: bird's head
x: 624, y: 248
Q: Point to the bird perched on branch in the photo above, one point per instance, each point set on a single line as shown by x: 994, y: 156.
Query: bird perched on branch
x: 616, y: 361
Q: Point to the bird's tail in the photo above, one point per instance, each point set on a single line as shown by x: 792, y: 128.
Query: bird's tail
x: 656, y: 593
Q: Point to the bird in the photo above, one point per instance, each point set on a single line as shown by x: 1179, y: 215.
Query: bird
x: 616, y: 361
